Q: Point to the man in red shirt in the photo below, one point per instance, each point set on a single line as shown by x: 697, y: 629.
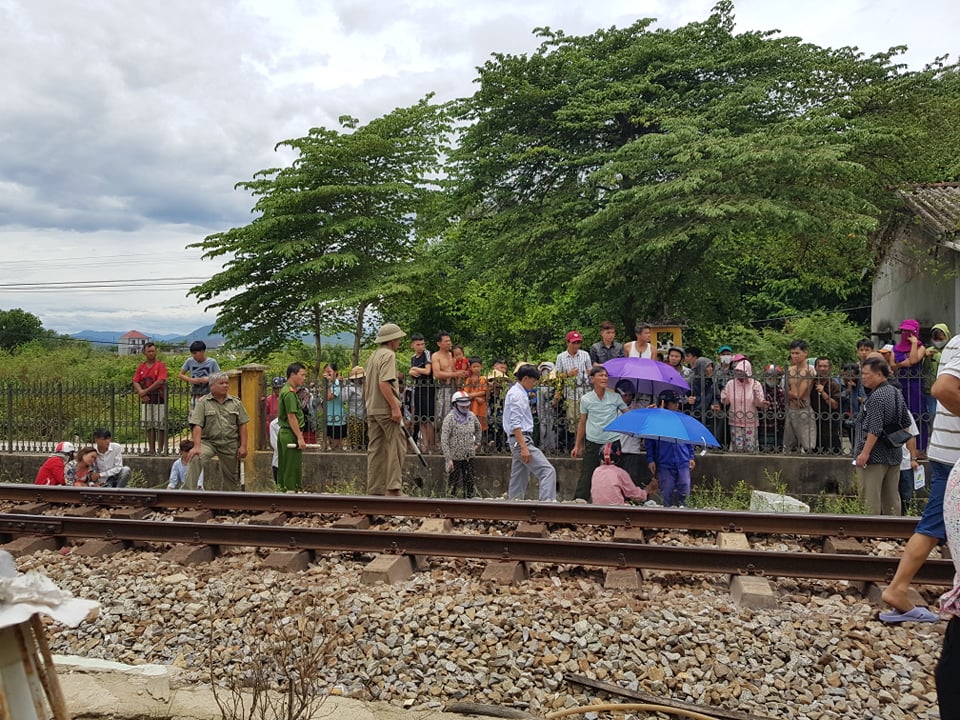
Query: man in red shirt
x: 150, y: 382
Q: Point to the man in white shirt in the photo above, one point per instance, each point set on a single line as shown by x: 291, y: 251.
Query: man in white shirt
x: 518, y: 425
x: 109, y: 469
x: 573, y: 365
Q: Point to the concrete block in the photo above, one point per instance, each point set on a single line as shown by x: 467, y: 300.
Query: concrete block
x: 752, y: 592
x: 269, y: 518
x: 872, y: 593
x: 629, y: 535
x: 83, y: 511
x: 436, y: 525
x: 843, y: 546
x: 732, y: 541
x: 99, y: 548
x: 622, y: 579
x: 130, y: 513
x: 531, y: 530
x: 30, y: 508
x: 352, y: 522
x: 389, y: 569
x: 30, y: 544
x: 775, y: 503
x: 288, y: 560
x: 505, y: 572
x: 190, y: 554
x: 193, y: 516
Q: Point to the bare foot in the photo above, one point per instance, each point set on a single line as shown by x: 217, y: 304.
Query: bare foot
x: 898, y: 600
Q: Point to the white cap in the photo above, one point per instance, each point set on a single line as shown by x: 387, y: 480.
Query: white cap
x: 460, y: 396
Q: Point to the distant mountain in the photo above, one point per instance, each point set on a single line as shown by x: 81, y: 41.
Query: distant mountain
x: 205, y: 333
x: 112, y: 337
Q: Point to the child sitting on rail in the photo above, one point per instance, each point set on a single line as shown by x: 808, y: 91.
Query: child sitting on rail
x: 670, y: 463
x: 612, y: 485
x: 459, y: 439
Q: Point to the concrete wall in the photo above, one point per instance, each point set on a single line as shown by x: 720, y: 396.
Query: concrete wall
x: 346, y: 472
x: 916, y: 279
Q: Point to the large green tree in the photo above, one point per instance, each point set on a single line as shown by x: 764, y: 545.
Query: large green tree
x: 18, y: 327
x: 332, y: 230
x: 643, y: 173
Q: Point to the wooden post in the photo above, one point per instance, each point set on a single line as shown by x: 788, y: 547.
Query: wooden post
x: 251, y: 394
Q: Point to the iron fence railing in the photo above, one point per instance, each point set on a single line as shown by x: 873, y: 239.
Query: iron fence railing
x: 35, y: 416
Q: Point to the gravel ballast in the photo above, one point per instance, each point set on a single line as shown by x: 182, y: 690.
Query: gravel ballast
x: 443, y: 635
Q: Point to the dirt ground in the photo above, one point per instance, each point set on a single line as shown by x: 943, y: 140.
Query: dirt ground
x: 98, y: 690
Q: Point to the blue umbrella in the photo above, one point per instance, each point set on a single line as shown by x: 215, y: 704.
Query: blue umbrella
x: 661, y: 424
x: 650, y: 377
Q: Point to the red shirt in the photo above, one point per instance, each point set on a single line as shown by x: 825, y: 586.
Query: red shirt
x: 272, y: 405
x: 51, y: 472
x: 147, y: 376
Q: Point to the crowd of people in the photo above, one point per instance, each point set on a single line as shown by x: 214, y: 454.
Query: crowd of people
x: 898, y: 404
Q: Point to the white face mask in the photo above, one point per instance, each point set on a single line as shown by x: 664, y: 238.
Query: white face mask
x: 726, y: 359
x: 939, y: 343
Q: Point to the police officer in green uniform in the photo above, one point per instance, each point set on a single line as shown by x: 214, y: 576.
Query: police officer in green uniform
x: 219, y: 423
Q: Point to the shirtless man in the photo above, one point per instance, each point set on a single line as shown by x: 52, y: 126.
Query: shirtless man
x: 800, y: 425
x: 445, y: 374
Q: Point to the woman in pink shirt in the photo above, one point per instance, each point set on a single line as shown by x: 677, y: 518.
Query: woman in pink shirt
x: 744, y: 398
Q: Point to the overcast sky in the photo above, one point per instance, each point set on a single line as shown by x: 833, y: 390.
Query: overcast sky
x: 125, y: 125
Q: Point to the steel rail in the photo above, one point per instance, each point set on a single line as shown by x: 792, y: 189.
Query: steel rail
x: 610, y: 554
x: 813, y: 524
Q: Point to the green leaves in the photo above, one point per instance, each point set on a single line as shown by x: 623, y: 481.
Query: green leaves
x: 330, y: 229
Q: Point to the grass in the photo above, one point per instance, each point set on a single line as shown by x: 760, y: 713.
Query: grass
x: 714, y: 496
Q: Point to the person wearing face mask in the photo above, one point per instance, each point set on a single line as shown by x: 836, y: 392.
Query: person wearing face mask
x: 745, y: 399
x: 939, y: 334
x: 460, y: 436
x: 908, y: 356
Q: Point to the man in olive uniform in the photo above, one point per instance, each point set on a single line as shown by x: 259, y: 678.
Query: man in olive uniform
x: 387, y: 446
x: 292, y: 421
x: 219, y: 427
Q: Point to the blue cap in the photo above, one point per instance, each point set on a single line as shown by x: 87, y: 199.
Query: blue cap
x: 724, y: 348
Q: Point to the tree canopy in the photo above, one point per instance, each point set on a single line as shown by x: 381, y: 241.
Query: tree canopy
x: 643, y: 173
x: 329, y: 230
x: 18, y: 327
x: 695, y: 175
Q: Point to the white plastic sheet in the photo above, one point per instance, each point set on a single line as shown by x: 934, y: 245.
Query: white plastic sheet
x: 24, y: 594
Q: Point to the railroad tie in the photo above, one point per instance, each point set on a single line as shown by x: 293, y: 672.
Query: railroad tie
x: 748, y: 591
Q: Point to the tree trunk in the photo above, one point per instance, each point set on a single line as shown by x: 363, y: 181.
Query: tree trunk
x: 358, y: 332
x: 316, y: 337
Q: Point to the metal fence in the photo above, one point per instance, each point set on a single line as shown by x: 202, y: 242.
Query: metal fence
x: 33, y: 417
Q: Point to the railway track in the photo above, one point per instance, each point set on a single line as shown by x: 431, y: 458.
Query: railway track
x: 43, y: 511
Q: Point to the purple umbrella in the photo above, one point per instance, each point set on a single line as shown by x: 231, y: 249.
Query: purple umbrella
x: 650, y: 377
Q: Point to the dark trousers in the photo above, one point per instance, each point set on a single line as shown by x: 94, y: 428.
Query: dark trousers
x: 461, y: 479
x: 591, y: 459
x: 636, y: 466
x: 947, y: 673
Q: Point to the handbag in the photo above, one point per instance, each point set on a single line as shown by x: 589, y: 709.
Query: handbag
x: 895, y: 435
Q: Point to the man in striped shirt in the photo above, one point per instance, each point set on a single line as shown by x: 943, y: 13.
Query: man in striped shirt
x: 943, y: 452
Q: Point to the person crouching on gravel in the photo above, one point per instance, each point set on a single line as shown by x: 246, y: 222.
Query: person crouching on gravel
x: 612, y: 485
x: 670, y: 463
x: 460, y: 437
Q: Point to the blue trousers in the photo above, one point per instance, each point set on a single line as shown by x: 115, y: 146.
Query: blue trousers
x: 674, y: 484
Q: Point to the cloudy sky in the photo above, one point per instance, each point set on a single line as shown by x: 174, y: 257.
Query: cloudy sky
x: 125, y: 125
